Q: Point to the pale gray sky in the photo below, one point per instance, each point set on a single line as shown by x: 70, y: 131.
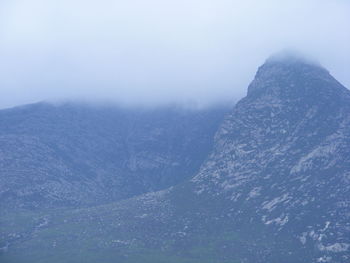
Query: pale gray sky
x: 159, y: 51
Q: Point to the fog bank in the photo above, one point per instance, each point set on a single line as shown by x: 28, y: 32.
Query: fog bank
x: 157, y: 52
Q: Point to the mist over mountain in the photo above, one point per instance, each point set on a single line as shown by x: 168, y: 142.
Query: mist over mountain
x: 271, y: 186
x: 155, y: 53
x: 166, y: 132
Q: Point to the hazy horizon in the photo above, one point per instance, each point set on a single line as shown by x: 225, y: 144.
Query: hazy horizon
x: 156, y: 53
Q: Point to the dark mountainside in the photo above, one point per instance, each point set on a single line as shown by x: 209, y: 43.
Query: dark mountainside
x: 79, y: 155
x: 275, y: 188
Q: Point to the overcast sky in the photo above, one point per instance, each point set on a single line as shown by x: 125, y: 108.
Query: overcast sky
x: 159, y: 51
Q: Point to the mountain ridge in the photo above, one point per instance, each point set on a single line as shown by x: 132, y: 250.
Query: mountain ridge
x: 275, y: 188
x: 79, y: 155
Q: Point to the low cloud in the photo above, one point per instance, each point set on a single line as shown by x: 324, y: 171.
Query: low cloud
x: 156, y: 52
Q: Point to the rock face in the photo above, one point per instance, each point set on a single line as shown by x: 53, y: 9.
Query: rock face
x: 282, y: 158
x: 75, y: 155
x: 276, y: 188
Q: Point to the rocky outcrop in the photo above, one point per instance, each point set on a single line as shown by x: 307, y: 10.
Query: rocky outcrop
x: 282, y: 158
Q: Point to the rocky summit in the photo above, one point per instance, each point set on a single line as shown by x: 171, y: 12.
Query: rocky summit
x: 275, y: 188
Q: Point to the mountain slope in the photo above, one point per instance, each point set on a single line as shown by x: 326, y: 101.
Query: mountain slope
x: 282, y: 158
x: 274, y: 189
x: 79, y: 155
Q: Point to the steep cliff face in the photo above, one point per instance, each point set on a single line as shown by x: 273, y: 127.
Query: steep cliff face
x: 282, y: 158
x: 79, y: 155
x: 275, y: 188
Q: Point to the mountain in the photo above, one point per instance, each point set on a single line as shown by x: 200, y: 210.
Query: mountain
x: 282, y: 160
x: 76, y: 155
x: 275, y: 188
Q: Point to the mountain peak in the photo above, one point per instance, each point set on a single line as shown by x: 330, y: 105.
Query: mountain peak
x: 292, y: 57
x: 290, y: 75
